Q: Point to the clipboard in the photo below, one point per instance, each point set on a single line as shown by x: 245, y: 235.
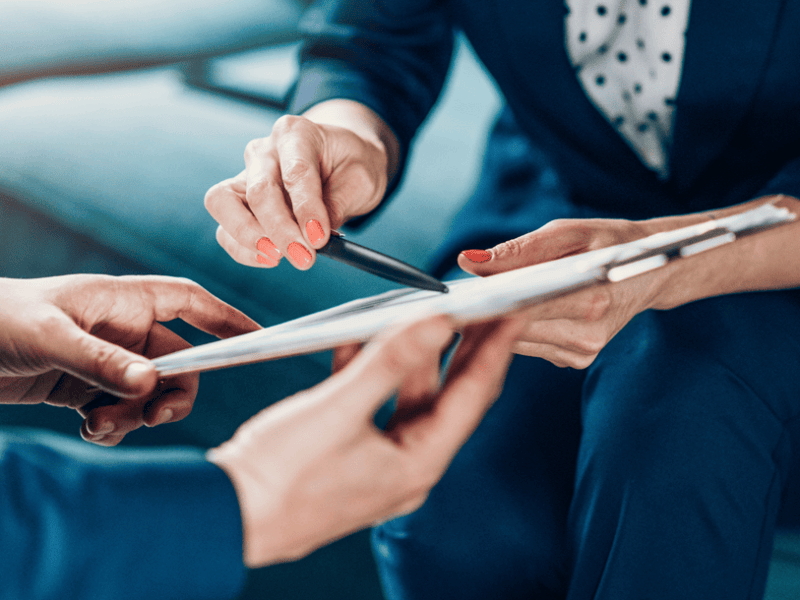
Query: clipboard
x: 470, y: 300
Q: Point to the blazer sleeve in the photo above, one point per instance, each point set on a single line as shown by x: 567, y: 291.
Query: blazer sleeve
x: 390, y: 55
x: 786, y: 181
x: 82, y: 522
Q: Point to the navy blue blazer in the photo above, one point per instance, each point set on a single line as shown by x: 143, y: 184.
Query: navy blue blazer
x: 737, y: 128
x: 87, y: 523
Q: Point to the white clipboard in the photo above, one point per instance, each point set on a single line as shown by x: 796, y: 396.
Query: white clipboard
x: 469, y: 300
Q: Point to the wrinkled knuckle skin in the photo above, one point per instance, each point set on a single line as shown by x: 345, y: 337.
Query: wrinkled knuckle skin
x: 287, y: 125
x: 103, y: 361
x: 240, y: 233
x: 295, y: 172
x: 509, y: 249
x: 258, y: 190
x: 254, y: 148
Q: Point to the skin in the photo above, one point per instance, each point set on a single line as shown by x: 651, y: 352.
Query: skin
x: 59, y: 334
x: 68, y: 341
x: 330, y: 165
x: 297, y: 496
x: 567, y: 331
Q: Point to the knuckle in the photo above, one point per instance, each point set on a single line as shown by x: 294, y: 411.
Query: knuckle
x: 508, y: 249
x: 286, y: 124
x: 580, y: 361
x: 589, y: 344
x: 577, y: 230
x: 295, y: 171
x: 254, y: 148
x: 598, y: 306
x: 103, y: 359
x: 193, y: 286
x: 259, y: 190
x: 240, y: 233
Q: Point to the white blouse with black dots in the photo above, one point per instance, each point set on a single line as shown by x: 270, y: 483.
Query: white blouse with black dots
x: 628, y: 56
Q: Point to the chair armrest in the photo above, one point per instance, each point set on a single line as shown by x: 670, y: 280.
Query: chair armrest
x: 41, y: 38
x: 263, y: 77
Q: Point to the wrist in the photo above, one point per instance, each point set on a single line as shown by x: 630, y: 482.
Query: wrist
x: 254, y: 504
x: 748, y: 264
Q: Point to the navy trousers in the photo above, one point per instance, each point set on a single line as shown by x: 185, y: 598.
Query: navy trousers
x: 658, y: 472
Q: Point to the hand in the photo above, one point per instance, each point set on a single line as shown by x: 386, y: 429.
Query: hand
x: 570, y: 330
x: 314, y: 468
x: 62, y: 336
x: 308, y: 176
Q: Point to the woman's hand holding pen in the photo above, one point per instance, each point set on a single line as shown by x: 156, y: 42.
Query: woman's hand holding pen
x: 313, y: 173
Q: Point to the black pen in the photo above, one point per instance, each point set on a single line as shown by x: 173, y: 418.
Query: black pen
x: 379, y: 264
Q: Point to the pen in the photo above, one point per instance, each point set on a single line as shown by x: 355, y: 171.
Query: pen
x: 379, y: 264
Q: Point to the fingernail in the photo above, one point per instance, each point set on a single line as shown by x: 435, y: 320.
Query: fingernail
x: 477, y: 256
x: 164, y: 416
x: 314, y: 231
x: 265, y: 246
x: 134, y: 372
x: 104, y: 429
x: 299, y: 253
x: 266, y: 261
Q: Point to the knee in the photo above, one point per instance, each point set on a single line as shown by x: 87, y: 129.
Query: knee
x: 672, y: 423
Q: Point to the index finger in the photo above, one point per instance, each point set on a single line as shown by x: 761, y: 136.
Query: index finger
x: 180, y: 298
x: 299, y: 156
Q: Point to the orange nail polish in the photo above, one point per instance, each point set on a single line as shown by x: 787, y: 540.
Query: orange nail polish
x: 477, y: 256
x: 299, y: 254
x: 266, y: 261
x: 314, y: 231
x: 266, y: 246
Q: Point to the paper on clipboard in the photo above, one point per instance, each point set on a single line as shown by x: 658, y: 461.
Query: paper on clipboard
x: 469, y: 300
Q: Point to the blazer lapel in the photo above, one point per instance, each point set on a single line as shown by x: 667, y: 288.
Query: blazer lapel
x: 727, y: 46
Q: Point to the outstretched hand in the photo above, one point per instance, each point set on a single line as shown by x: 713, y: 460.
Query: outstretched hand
x: 313, y: 468
x: 80, y: 341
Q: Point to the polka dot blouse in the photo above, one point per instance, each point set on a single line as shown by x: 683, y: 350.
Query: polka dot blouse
x: 628, y: 56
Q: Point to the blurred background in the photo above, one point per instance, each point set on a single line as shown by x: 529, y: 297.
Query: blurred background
x: 115, y: 119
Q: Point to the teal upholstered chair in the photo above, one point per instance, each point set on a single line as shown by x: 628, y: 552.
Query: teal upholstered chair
x: 105, y: 171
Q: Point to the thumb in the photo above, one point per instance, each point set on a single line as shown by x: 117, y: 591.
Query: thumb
x: 379, y: 370
x: 108, y: 366
x: 555, y: 240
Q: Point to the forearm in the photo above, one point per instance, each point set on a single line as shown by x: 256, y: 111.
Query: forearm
x: 768, y: 260
x: 362, y: 121
x: 77, y: 520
